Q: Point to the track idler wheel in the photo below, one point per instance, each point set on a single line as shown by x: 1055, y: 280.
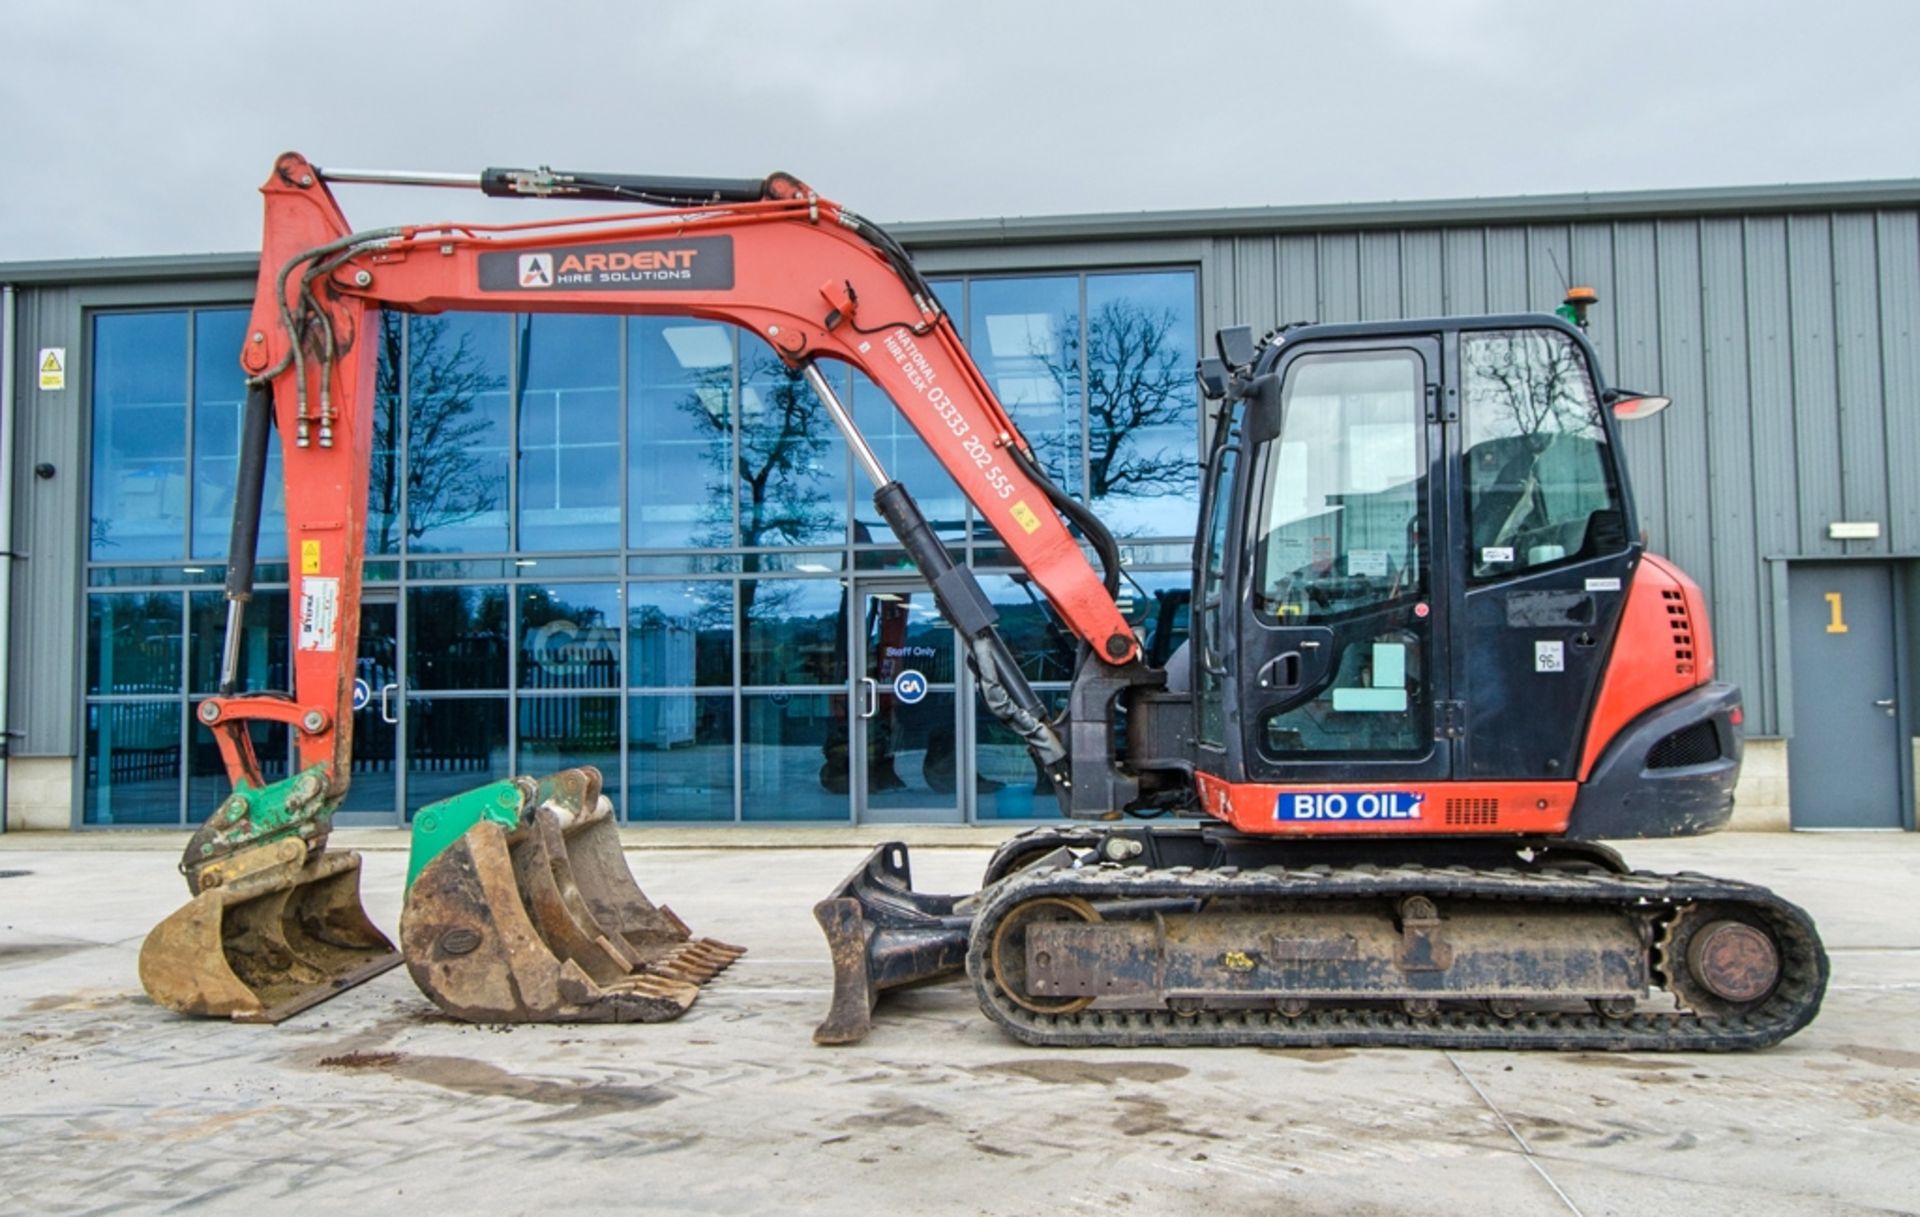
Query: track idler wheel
x: 1719, y: 961
x: 1008, y: 955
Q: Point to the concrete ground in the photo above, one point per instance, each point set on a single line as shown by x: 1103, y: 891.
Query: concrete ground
x: 373, y: 1103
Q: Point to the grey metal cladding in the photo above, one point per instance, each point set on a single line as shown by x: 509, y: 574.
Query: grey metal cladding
x: 1297, y: 265
x: 1442, y: 213
x: 48, y: 532
x: 1856, y: 342
x: 1898, y: 252
x: 1339, y: 277
x: 1770, y: 385
x: 1380, y: 273
x: 1465, y: 267
x: 1816, y: 407
x: 1423, y: 274
x: 1637, y: 364
x: 1507, y: 290
x: 1689, y: 498
x: 1738, y: 577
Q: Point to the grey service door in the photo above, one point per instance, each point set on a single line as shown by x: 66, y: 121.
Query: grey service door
x: 1843, y: 760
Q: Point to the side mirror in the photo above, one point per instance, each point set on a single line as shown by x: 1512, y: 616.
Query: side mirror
x: 1235, y: 344
x: 1213, y: 378
x: 1629, y: 406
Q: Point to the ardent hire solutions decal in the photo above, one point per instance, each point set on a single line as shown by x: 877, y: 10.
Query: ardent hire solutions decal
x: 684, y: 264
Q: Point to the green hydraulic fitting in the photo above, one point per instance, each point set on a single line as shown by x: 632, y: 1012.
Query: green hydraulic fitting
x: 298, y: 806
x: 438, y: 825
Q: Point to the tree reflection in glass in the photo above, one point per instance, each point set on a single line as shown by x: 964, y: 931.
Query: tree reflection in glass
x: 457, y: 433
x: 788, y: 468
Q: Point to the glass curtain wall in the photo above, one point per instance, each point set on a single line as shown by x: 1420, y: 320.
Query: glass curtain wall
x: 623, y: 542
x: 166, y: 392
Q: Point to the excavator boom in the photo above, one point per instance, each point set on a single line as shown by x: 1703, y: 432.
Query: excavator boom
x: 812, y: 279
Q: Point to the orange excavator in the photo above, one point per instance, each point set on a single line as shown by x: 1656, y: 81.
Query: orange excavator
x: 1431, y: 666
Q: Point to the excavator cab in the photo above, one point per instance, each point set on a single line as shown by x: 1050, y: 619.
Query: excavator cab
x: 1418, y: 553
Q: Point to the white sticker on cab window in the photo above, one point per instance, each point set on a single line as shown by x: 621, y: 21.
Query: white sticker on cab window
x: 1603, y: 585
x: 1370, y: 563
x: 1496, y: 553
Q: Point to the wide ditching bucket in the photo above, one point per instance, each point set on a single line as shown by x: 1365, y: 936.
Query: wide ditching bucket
x: 520, y: 909
x: 271, y: 930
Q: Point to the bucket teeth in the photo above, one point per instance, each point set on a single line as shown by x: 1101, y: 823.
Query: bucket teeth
x: 278, y: 930
x: 535, y: 917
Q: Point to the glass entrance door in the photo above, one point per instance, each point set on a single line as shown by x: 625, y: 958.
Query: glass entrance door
x: 909, y: 759
x: 373, y: 795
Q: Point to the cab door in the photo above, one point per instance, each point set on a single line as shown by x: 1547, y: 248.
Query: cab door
x: 1344, y: 660
x: 1545, y: 552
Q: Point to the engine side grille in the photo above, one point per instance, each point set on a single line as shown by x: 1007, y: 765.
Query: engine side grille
x: 1695, y: 745
x: 1680, y: 622
x: 1466, y: 812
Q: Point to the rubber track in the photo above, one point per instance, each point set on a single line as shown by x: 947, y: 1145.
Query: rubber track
x: 1792, y: 1005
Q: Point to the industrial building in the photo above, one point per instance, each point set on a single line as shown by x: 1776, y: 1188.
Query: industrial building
x: 636, y: 543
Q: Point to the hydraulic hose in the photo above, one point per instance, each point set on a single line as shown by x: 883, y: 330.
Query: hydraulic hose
x: 1090, y: 525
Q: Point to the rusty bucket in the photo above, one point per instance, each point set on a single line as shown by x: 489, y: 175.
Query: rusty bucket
x: 882, y: 935
x: 530, y: 915
x: 272, y: 930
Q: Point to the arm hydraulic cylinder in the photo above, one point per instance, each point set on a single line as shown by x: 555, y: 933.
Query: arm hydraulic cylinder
x: 243, y: 543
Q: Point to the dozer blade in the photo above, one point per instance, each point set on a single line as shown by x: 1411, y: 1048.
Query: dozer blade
x: 273, y: 930
x: 883, y: 935
x: 520, y: 909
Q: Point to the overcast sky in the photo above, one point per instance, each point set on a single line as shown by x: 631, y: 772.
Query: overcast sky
x: 141, y: 128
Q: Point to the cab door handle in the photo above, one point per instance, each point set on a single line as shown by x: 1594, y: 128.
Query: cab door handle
x: 1283, y: 671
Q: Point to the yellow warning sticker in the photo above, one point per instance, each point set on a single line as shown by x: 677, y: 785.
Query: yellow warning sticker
x: 309, y: 557
x: 1024, y: 517
x: 53, y: 368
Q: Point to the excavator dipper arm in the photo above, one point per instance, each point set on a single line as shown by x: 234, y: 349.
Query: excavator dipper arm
x: 811, y: 278
x: 519, y: 904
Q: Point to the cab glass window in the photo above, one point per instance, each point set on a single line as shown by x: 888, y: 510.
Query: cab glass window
x: 1540, y: 486
x: 1346, y: 499
x: 1211, y: 676
x: 1342, y: 553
